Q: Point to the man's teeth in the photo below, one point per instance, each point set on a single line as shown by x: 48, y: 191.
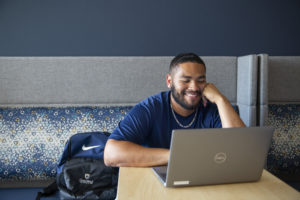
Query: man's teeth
x: 191, y: 95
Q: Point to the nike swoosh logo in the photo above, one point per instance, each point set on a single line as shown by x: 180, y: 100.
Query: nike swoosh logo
x: 84, y: 148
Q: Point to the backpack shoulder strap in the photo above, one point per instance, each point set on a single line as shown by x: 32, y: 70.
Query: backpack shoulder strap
x: 47, y: 191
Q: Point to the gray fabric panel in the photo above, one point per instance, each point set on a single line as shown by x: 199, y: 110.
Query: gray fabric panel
x: 97, y: 80
x: 263, y: 75
x: 248, y: 114
x: 79, y: 80
x: 222, y: 71
x: 64, y: 105
x: 284, y: 81
x: 247, y: 80
x: 263, y: 114
x: 263, y: 70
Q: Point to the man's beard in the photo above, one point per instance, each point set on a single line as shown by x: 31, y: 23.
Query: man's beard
x: 179, y: 98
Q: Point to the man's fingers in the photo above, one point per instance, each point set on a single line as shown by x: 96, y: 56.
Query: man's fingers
x: 205, y: 86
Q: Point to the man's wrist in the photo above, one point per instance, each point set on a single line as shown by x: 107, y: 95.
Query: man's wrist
x: 220, y: 99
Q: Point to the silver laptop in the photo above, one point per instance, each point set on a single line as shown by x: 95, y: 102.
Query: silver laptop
x: 215, y: 156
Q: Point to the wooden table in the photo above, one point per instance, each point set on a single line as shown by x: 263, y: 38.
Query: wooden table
x: 142, y: 184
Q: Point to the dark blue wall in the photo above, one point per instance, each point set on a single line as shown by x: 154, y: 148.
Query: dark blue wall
x: 149, y: 27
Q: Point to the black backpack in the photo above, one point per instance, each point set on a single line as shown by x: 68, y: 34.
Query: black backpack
x: 81, y: 172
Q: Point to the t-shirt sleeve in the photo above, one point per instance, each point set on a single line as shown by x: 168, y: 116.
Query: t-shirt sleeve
x: 135, y: 126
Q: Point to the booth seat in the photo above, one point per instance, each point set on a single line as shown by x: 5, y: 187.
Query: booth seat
x: 45, y: 100
x: 284, y: 155
x: 36, y: 137
x: 279, y: 107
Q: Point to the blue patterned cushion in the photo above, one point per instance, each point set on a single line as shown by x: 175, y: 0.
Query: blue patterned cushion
x: 284, y: 154
x: 32, y: 139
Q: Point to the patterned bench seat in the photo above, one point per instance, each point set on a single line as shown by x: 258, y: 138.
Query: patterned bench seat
x: 284, y: 154
x: 32, y: 138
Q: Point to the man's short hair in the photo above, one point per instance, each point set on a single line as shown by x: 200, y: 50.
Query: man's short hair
x: 183, y: 58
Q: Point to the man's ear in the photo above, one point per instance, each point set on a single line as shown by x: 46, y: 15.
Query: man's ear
x: 169, y: 81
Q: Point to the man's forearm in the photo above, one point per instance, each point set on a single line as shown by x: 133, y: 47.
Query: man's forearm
x: 229, y: 117
x: 124, y: 153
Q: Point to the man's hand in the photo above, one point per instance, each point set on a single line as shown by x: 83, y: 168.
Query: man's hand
x: 229, y: 117
x: 211, y: 93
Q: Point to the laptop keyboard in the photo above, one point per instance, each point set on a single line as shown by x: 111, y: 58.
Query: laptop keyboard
x: 161, y: 171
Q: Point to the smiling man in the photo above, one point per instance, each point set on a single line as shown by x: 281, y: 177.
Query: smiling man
x: 143, y: 138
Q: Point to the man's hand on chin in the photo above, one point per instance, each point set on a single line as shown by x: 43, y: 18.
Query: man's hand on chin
x: 210, y: 92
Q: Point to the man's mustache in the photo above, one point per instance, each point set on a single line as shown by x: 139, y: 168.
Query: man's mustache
x: 197, y: 92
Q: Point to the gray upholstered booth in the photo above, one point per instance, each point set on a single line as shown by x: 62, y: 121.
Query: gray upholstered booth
x: 34, y: 89
x: 262, y: 94
x: 117, y: 80
x: 279, y: 106
x: 247, y: 87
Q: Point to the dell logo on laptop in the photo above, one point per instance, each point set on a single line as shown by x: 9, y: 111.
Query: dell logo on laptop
x: 220, y: 157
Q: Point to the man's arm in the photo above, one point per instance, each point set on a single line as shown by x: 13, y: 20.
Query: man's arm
x: 229, y: 117
x: 125, y: 153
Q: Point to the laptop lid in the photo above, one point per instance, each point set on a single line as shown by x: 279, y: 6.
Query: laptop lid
x: 217, y: 156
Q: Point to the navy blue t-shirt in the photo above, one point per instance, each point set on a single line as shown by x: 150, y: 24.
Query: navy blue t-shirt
x: 150, y: 123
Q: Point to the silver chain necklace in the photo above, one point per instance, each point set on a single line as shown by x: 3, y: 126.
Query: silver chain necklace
x: 181, y: 125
